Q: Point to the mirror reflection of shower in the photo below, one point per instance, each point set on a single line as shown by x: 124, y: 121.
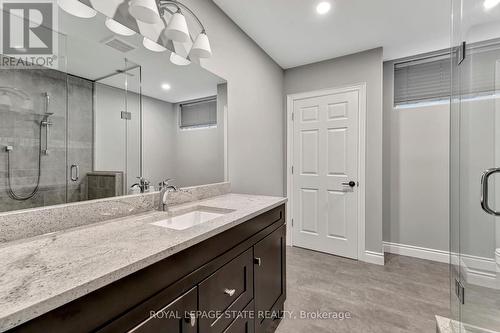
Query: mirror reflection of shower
x: 44, y: 124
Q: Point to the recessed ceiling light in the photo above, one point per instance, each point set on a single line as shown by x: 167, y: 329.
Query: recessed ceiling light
x: 165, y: 86
x: 489, y: 4
x: 324, y: 7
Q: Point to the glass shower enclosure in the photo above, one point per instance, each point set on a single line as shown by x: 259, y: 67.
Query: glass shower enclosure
x: 475, y: 166
x: 58, y: 129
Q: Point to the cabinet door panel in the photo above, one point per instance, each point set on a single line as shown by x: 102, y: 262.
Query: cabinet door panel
x: 269, y: 278
x: 175, y: 317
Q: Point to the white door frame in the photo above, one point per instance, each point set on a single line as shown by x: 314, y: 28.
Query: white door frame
x: 361, y: 89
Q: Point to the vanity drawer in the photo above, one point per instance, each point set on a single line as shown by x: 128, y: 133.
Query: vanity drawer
x: 228, y: 289
x: 244, y: 323
x: 177, y: 317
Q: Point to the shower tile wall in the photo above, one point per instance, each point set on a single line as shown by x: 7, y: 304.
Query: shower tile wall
x: 20, y: 126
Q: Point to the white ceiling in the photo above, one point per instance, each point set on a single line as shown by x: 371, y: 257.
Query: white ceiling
x: 293, y: 34
x: 89, y: 58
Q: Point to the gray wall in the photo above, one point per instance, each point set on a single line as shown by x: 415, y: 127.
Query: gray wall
x: 417, y: 166
x: 416, y: 171
x: 160, y: 149
x: 191, y: 157
x: 255, y: 103
x: 357, y: 68
x: 200, y: 152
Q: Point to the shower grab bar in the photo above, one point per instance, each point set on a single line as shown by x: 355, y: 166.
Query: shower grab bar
x: 485, y: 192
x: 75, y: 176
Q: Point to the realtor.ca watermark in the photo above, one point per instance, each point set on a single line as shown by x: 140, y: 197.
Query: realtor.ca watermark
x: 29, y: 37
x: 292, y: 315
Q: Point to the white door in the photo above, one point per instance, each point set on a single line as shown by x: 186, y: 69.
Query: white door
x: 325, y: 160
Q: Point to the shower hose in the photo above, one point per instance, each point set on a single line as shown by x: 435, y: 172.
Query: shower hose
x: 11, y: 192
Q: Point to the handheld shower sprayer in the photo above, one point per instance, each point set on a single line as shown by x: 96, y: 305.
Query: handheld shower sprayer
x: 9, y: 149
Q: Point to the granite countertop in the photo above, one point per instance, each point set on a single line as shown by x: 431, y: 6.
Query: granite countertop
x: 41, y: 273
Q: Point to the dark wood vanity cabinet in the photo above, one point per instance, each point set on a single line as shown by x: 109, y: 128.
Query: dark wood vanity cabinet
x: 234, y: 282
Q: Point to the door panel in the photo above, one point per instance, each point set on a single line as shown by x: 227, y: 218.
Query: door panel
x: 337, y: 214
x: 309, y: 208
x: 326, y: 153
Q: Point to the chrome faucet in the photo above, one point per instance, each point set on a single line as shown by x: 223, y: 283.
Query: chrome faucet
x: 143, y: 184
x: 165, y: 188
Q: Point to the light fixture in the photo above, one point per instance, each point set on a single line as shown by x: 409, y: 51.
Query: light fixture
x: 177, y: 29
x: 323, y: 7
x: 201, y: 47
x: 145, y: 11
x: 153, y: 46
x: 76, y: 8
x: 166, y: 86
x: 490, y: 4
x: 178, y: 60
x: 160, y: 20
x: 118, y: 28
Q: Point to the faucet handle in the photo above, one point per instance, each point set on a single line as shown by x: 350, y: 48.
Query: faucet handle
x: 165, y: 182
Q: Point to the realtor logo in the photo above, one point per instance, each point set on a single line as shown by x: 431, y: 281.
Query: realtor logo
x: 29, y: 36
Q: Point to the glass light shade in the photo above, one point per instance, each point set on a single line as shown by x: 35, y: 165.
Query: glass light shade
x: 178, y: 60
x: 118, y: 28
x: 145, y: 11
x: 177, y: 29
x: 152, y: 46
x: 201, y: 47
x: 76, y: 8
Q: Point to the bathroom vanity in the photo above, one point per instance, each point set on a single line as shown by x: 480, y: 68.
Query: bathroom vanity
x: 133, y: 274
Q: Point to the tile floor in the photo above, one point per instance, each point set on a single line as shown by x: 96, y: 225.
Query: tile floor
x: 402, y: 296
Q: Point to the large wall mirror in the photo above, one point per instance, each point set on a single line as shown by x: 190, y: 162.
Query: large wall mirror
x: 111, y: 113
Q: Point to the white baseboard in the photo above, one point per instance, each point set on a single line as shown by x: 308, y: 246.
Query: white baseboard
x: 373, y: 258
x: 417, y: 252
x: 480, y: 271
x: 476, y: 270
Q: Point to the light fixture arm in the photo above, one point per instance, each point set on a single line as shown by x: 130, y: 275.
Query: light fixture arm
x: 163, y: 5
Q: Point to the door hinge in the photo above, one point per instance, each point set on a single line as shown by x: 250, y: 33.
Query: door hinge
x: 293, y: 116
x: 292, y: 169
x: 292, y: 222
x: 460, y: 291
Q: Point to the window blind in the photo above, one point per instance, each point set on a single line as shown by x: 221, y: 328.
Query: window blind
x: 422, y: 80
x: 200, y: 113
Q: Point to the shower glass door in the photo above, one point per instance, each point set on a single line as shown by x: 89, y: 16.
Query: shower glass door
x: 117, y: 132
x: 475, y: 160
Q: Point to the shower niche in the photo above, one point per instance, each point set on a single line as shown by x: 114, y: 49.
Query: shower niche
x: 107, y: 119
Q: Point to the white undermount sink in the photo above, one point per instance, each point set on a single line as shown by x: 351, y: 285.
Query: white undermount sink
x: 192, y: 218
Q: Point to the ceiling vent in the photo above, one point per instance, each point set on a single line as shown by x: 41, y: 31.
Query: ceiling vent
x: 118, y: 44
